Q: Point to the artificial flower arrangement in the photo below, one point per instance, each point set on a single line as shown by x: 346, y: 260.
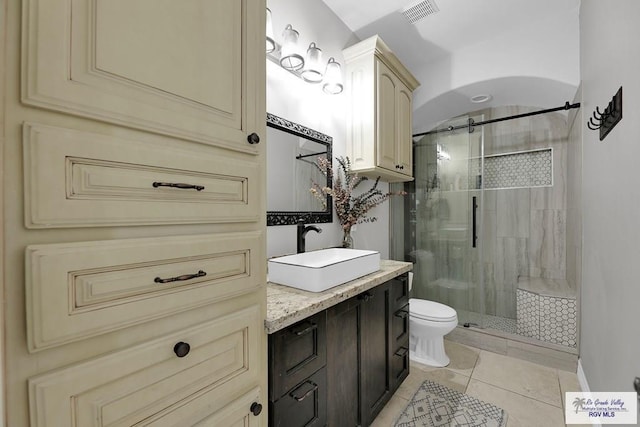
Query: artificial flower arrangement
x: 350, y: 209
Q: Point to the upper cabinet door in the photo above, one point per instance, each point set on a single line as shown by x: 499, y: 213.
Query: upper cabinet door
x: 190, y: 68
x: 386, y: 110
x: 404, y: 112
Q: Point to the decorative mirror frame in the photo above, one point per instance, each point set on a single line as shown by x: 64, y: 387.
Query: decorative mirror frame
x: 310, y: 217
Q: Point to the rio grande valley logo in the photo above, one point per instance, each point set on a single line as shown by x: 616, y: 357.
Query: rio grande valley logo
x: 603, y: 407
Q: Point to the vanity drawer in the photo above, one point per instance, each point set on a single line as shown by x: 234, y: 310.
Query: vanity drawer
x: 154, y: 382
x: 79, y: 290
x: 400, y: 325
x: 399, y: 291
x: 399, y: 365
x: 80, y: 179
x: 305, y: 405
x: 295, y: 353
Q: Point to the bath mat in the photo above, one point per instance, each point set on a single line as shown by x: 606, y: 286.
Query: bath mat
x: 434, y: 405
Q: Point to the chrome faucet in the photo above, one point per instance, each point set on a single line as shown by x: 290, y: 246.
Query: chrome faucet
x: 302, y: 232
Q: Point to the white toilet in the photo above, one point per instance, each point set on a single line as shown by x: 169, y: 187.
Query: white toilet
x: 429, y: 322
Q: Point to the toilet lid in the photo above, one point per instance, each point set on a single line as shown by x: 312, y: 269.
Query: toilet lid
x: 431, y: 310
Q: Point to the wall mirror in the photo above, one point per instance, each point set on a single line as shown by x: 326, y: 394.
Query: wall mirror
x: 292, y: 152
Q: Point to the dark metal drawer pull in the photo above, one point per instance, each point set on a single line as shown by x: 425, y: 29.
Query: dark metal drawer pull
x: 313, y: 388
x: 306, y: 330
x: 178, y: 185
x: 402, y: 313
x: 402, y: 351
x: 180, y: 278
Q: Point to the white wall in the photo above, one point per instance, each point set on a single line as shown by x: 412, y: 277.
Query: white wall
x: 610, y: 58
x: 515, y: 52
x: 536, y: 64
x: 300, y: 102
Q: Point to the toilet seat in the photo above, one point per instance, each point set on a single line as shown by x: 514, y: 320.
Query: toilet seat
x: 431, y: 311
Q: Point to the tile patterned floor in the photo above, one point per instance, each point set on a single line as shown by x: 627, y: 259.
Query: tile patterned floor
x: 531, y: 394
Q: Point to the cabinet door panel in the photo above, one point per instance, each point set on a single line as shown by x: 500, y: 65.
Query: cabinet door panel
x: 78, y: 290
x: 343, y: 363
x: 386, y: 116
x: 121, y: 62
x: 375, y: 336
x: 82, y: 179
x: 148, y: 382
x: 404, y: 146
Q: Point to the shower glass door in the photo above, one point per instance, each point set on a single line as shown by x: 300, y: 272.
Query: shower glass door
x: 442, y: 232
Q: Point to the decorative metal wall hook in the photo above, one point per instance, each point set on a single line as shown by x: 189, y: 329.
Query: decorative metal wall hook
x: 607, y: 119
x: 595, y: 126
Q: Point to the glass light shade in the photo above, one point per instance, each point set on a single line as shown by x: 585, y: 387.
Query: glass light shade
x: 291, y: 59
x: 332, y: 78
x: 271, y: 44
x: 312, y: 72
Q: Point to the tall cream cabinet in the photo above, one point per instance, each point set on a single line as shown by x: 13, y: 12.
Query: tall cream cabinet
x: 134, y: 213
x: 379, y: 125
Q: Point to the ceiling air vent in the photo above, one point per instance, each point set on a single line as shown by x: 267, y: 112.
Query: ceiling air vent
x: 420, y: 10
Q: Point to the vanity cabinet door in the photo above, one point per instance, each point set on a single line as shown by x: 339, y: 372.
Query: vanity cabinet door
x: 375, y: 336
x: 343, y: 363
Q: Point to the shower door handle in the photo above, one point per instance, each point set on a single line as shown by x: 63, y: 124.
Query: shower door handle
x: 474, y: 230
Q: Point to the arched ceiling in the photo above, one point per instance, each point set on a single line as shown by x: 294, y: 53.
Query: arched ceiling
x: 521, y: 52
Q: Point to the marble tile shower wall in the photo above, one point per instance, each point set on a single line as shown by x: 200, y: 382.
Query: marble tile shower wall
x: 524, y: 228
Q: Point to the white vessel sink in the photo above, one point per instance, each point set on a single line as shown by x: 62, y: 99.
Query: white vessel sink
x: 317, y: 271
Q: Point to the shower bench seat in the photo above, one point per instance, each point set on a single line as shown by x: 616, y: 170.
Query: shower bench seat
x: 546, y: 310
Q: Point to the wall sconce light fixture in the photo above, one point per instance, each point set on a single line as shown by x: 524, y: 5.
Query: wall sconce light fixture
x: 332, y: 78
x: 309, y: 68
x: 271, y: 44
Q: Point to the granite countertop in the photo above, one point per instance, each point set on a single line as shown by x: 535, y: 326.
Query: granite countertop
x: 287, y: 305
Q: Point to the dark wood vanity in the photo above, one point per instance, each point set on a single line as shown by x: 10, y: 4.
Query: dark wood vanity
x: 340, y: 366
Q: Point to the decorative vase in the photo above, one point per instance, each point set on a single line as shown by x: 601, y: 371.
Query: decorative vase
x: 347, y: 240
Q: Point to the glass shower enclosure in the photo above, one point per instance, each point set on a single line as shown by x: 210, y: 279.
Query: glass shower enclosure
x: 438, y: 225
x: 486, y: 224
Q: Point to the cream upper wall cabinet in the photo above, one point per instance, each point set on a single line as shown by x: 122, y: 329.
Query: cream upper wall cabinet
x: 379, y: 125
x: 185, y: 68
